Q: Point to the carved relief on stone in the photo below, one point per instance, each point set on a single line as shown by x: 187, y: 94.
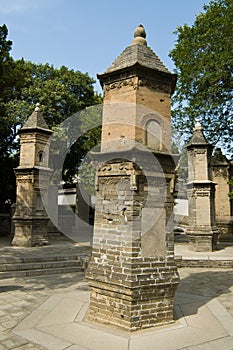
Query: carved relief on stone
x: 136, y: 83
x: 120, y: 84
x: 109, y: 174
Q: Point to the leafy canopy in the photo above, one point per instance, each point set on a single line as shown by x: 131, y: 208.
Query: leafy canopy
x: 61, y: 92
x: 203, y: 57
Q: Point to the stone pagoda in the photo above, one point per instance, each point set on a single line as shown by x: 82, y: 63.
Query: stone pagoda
x: 30, y: 218
x: 202, y: 231
x: 222, y: 171
x: 132, y: 273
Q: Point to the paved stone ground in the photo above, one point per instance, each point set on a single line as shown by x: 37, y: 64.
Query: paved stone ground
x: 20, y: 296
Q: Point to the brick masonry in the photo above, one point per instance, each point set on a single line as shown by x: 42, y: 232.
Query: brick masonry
x: 32, y: 175
x: 132, y: 274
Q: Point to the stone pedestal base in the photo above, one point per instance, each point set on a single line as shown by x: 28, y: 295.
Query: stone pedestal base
x: 133, y: 296
x: 226, y: 231
x: 30, y: 232
x: 203, y: 240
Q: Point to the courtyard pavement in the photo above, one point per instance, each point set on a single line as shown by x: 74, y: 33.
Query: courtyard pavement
x: 48, y: 312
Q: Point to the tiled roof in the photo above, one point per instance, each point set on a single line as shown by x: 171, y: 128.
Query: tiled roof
x: 137, y: 53
x: 35, y: 120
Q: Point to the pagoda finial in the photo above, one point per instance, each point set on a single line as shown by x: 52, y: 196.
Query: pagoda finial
x: 139, y: 36
x: 198, y: 125
x: 37, y: 108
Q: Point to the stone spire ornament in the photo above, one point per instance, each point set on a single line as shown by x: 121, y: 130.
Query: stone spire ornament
x: 198, y: 125
x: 37, y: 108
x: 139, y: 36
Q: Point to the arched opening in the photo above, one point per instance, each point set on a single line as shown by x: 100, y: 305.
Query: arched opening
x: 153, y: 135
x: 40, y: 156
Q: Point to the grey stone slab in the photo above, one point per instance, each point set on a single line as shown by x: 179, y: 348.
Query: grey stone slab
x: 219, y: 344
x: 2, y: 347
x: 78, y: 295
x: 227, y: 323
x: 9, y: 324
x: 201, y: 327
x: 88, y: 337
x: 51, y: 302
x: 203, y: 320
x: 31, y: 321
x: 76, y: 347
x: 82, y: 312
x: 217, y: 308
x: 14, y: 342
x: 64, y: 312
x: 44, y: 339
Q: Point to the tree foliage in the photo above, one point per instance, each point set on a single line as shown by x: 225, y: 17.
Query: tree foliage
x: 203, y: 57
x: 61, y: 92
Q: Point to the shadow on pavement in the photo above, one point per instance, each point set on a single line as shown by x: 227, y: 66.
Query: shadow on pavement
x: 196, y: 289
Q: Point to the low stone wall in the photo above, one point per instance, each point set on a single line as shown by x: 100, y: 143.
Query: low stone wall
x: 203, y: 263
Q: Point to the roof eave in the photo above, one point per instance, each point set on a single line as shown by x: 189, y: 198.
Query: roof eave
x: 133, y: 70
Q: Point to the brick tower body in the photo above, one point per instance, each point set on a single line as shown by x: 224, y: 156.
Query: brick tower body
x: 30, y: 218
x: 221, y: 173
x: 202, y: 231
x: 132, y: 274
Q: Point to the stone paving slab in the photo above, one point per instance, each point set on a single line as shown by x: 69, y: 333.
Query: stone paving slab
x: 28, y: 306
x: 60, y: 324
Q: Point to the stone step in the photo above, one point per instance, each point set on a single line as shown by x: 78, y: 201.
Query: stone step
x: 42, y: 265
x: 4, y: 259
x: 24, y: 263
x: 40, y: 272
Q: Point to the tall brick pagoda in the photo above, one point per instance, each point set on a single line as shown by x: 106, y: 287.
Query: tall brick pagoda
x: 202, y: 230
x: 132, y: 273
x: 30, y: 218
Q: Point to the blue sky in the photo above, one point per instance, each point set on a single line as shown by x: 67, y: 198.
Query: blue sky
x: 89, y: 35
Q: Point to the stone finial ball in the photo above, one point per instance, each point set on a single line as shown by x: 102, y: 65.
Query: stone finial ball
x: 140, y: 31
x: 139, y: 36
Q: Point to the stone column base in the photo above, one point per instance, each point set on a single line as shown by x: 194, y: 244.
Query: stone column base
x: 226, y: 231
x: 30, y: 232
x: 203, y: 240
x: 137, y: 299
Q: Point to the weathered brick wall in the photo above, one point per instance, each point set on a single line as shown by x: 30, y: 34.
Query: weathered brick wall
x: 132, y: 281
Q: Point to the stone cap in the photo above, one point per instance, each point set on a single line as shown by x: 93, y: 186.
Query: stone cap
x: 198, y: 137
x: 219, y: 158
x: 138, y: 52
x: 35, y: 121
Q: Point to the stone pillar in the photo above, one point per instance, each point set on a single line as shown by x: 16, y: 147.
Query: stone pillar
x: 53, y: 226
x: 202, y: 230
x: 32, y: 174
x: 83, y: 230
x: 221, y: 172
x: 132, y: 274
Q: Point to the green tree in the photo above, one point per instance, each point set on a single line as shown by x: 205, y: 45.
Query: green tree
x: 203, y: 57
x: 60, y: 92
x: 11, y: 81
